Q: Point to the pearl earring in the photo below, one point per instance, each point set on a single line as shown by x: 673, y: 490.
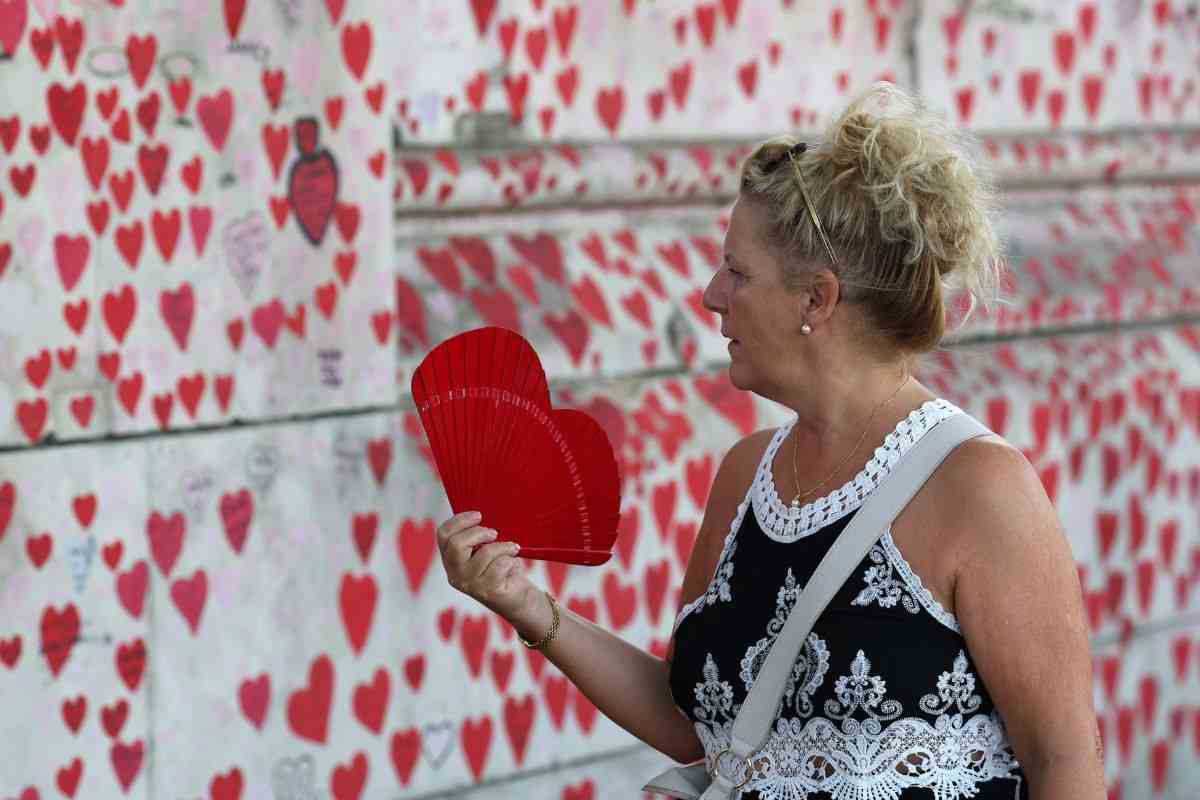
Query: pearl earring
x: 806, y: 329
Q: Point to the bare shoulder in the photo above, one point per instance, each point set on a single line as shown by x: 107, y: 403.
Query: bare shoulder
x: 992, y: 498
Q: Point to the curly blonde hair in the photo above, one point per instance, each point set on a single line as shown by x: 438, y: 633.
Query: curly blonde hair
x: 908, y: 215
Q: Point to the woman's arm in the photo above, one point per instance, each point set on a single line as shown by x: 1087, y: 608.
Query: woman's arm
x: 627, y: 684
x: 1018, y: 600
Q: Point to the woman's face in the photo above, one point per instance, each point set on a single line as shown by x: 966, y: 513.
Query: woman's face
x: 755, y: 309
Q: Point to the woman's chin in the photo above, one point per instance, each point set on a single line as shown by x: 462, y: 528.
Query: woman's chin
x: 734, y: 371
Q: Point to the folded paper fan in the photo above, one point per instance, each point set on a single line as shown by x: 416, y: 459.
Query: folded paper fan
x: 545, y: 478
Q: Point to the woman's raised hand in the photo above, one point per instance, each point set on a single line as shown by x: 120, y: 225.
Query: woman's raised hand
x: 479, y: 566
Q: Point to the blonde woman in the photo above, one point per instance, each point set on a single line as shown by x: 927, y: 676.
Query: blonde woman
x: 954, y: 661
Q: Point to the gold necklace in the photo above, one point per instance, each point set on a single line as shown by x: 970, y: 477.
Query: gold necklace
x: 796, y: 450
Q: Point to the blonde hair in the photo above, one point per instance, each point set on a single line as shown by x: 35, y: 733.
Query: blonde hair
x: 909, y: 217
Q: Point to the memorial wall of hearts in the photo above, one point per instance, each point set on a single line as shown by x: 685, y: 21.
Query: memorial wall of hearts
x: 232, y: 230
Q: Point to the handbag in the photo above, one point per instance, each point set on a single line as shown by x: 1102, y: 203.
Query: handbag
x: 752, y: 725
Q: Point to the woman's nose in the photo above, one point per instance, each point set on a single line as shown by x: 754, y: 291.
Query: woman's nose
x: 710, y: 298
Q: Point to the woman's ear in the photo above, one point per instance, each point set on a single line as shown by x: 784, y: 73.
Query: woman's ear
x: 824, y: 293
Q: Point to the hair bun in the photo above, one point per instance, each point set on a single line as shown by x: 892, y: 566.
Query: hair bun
x: 908, y: 213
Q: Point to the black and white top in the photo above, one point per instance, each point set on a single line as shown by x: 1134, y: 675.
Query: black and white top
x: 883, y: 701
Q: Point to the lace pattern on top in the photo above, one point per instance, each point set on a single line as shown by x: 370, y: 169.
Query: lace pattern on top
x: 718, y: 587
x: 884, y: 588
x: 813, y: 662
x: 783, y: 523
x: 866, y: 760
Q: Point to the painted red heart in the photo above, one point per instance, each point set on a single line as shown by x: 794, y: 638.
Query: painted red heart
x: 335, y: 8
x: 266, y: 320
x: 416, y: 542
x: 59, y: 633
x: 10, y: 651
x: 67, y: 778
x: 610, y: 106
x: 476, y: 739
x: 127, y: 762
x: 254, y: 697
x: 142, y: 54
x: 166, y: 228
x: 356, y: 47
x: 405, y: 748
x: 74, y: 709
x: 216, y: 117
x: 131, y: 662
x: 237, y: 512
x: 8, y: 504
x: 178, y: 309
x: 227, y: 786
x: 414, y: 671
x: 275, y: 140
x: 348, y: 780
x: 371, y: 701
x: 357, y: 598
x: 112, y: 717
x: 12, y: 27
x: 67, y: 107
x: 166, y: 539
x: 234, y: 11
x: 308, y: 708
x: 131, y: 588
x: 111, y: 553
x: 706, y: 19
x: 502, y: 664
x: 555, y: 692
x: 620, y: 600
x: 189, y: 595
x: 200, y: 219
x: 190, y: 389
x: 76, y: 315
x: 147, y: 113
x: 519, y: 715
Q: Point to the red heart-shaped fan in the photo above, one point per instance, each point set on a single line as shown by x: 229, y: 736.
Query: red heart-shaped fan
x: 544, y: 478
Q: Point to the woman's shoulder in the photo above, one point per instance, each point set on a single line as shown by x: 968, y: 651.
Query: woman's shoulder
x: 985, y: 480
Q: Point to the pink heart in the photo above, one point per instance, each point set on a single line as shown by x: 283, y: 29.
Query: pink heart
x: 13, y: 14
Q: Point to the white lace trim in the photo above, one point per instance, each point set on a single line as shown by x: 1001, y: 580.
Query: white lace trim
x: 718, y: 587
x: 885, y: 589
x: 862, y: 759
x: 783, y: 523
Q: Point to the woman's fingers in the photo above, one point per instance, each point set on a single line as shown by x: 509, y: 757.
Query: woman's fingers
x: 460, y: 550
x: 454, y: 525
x: 494, y: 557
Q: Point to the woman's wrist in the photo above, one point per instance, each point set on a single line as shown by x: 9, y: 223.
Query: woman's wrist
x: 536, y: 617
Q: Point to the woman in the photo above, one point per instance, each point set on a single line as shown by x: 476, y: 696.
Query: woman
x: 954, y: 661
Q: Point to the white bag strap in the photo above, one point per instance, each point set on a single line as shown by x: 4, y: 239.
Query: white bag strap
x: 884, y: 504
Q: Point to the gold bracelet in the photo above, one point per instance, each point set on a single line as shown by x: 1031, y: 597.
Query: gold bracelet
x: 545, y: 640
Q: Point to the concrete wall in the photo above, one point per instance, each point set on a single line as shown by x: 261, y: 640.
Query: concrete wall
x: 218, y: 574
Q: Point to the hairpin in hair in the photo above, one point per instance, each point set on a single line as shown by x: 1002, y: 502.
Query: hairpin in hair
x: 799, y: 148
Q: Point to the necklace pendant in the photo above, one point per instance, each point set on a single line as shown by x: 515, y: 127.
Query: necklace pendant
x: 796, y: 501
